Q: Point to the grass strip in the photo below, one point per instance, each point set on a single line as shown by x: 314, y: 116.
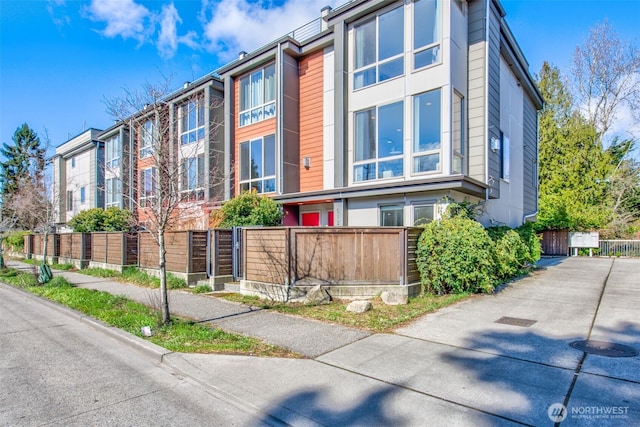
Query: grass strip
x: 181, y: 335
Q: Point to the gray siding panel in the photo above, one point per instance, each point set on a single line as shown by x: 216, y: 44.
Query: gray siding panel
x: 493, y: 115
x: 530, y: 168
x: 290, y: 125
x: 477, y: 90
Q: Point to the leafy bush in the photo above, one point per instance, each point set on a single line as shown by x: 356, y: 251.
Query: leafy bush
x: 512, y: 256
x: 527, y: 233
x: 97, y: 219
x: 249, y: 208
x: 15, y: 240
x: 201, y: 289
x: 455, y: 256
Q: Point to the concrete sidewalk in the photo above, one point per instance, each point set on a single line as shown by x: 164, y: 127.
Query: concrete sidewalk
x: 501, y: 359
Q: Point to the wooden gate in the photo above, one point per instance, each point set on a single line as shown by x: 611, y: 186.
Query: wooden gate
x: 555, y: 242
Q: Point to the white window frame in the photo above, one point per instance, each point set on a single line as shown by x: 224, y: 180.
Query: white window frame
x: 69, y: 200
x: 148, y: 133
x: 192, y: 182
x: 416, y: 153
x: 113, y: 191
x: 261, y: 97
x: 82, y: 195
x: 148, y: 176
x: 458, y: 134
x: 262, y: 183
x: 112, y: 152
x: 378, y: 62
x: 192, y: 121
x: 505, y: 156
x: 436, y: 45
x: 417, y: 205
x: 377, y: 161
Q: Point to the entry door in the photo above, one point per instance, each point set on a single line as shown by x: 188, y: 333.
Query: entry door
x: 310, y: 219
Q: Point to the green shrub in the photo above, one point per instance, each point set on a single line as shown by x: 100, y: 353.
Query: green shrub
x: 248, y: 208
x: 455, y: 256
x: 527, y: 233
x: 97, y: 219
x: 201, y: 289
x: 510, y: 251
x: 15, y: 240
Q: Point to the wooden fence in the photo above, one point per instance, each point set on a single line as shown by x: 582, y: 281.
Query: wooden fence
x: 221, y: 252
x: 75, y: 246
x: 118, y: 249
x: 331, y: 256
x: 555, y: 242
x: 34, y: 246
x: 186, y: 251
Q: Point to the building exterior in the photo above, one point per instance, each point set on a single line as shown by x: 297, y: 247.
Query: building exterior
x: 378, y: 113
x: 77, y: 175
x: 382, y: 112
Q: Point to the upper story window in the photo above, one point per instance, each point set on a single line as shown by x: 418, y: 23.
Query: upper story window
x: 193, y: 177
x: 69, y: 200
x: 147, y: 185
x: 82, y: 195
x: 258, y: 165
x: 258, y: 96
x: 427, y: 32
x: 112, y: 152
x: 426, y: 132
x: 379, y: 48
x: 113, y: 188
x: 147, y: 136
x: 457, y: 134
x: 379, y: 142
x: 73, y: 162
x: 192, y: 121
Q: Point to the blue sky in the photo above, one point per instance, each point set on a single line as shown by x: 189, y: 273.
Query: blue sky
x: 61, y: 59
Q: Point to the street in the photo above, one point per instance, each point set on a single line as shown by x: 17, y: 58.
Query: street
x: 58, y: 370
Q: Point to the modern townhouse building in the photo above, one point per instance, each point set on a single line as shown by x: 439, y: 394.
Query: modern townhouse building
x: 77, y: 175
x: 117, y: 167
x: 187, y: 126
x: 381, y: 112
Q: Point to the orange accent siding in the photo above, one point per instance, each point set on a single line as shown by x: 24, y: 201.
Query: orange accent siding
x: 245, y: 133
x: 311, y: 69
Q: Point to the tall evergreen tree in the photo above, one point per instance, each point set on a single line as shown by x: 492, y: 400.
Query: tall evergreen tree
x: 25, y: 160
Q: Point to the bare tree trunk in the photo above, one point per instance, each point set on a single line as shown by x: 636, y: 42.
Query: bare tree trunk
x: 164, y: 296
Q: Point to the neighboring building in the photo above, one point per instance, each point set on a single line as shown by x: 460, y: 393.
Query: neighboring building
x: 117, y: 166
x: 362, y: 118
x: 78, y: 175
x: 194, y: 125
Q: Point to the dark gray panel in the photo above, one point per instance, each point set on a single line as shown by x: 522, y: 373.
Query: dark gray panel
x: 340, y: 105
x: 493, y: 113
x: 290, y: 120
x: 530, y: 168
x: 477, y: 29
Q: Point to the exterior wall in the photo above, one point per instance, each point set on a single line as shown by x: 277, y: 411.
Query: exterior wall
x: 79, y: 176
x: 328, y: 119
x: 493, y: 100
x: 530, y: 161
x: 289, y: 122
x: 311, y: 121
x: 509, y: 209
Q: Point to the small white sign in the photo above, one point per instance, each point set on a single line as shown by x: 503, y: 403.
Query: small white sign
x: 146, y: 331
x: 584, y: 239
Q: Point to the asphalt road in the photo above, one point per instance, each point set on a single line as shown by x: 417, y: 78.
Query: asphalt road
x: 58, y: 370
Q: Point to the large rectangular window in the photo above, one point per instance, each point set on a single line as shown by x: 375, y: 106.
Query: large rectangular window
x: 423, y: 214
x: 427, y: 32
x: 148, y: 179
x: 457, y: 135
x: 391, y: 216
x: 258, y: 165
x: 112, y: 153
x: 193, y: 177
x: 426, y: 132
x: 82, y: 195
x: 505, y: 159
x: 147, y: 138
x: 379, y: 48
x: 258, y: 96
x: 379, y: 143
x: 192, y: 121
x: 113, y: 189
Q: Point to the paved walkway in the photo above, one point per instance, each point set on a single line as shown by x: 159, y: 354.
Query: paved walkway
x: 501, y: 359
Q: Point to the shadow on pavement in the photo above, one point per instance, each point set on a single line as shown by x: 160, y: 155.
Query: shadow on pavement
x: 315, y: 405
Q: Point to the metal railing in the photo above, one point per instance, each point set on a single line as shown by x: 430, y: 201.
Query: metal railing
x: 628, y: 248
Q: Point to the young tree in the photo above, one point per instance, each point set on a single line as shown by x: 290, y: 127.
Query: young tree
x: 174, y: 186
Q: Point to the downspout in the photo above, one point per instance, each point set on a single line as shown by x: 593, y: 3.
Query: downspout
x: 280, y: 108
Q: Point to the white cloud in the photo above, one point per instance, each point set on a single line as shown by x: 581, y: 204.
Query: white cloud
x: 168, y: 38
x: 124, y: 18
x: 234, y: 26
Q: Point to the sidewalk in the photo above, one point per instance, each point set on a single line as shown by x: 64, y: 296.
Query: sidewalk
x: 501, y: 359
x: 310, y: 338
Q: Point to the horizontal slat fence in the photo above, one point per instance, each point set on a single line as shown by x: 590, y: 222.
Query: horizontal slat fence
x: 331, y: 255
x: 186, y: 251
x: 221, y: 252
x: 75, y: 246
x: 115, y: 248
